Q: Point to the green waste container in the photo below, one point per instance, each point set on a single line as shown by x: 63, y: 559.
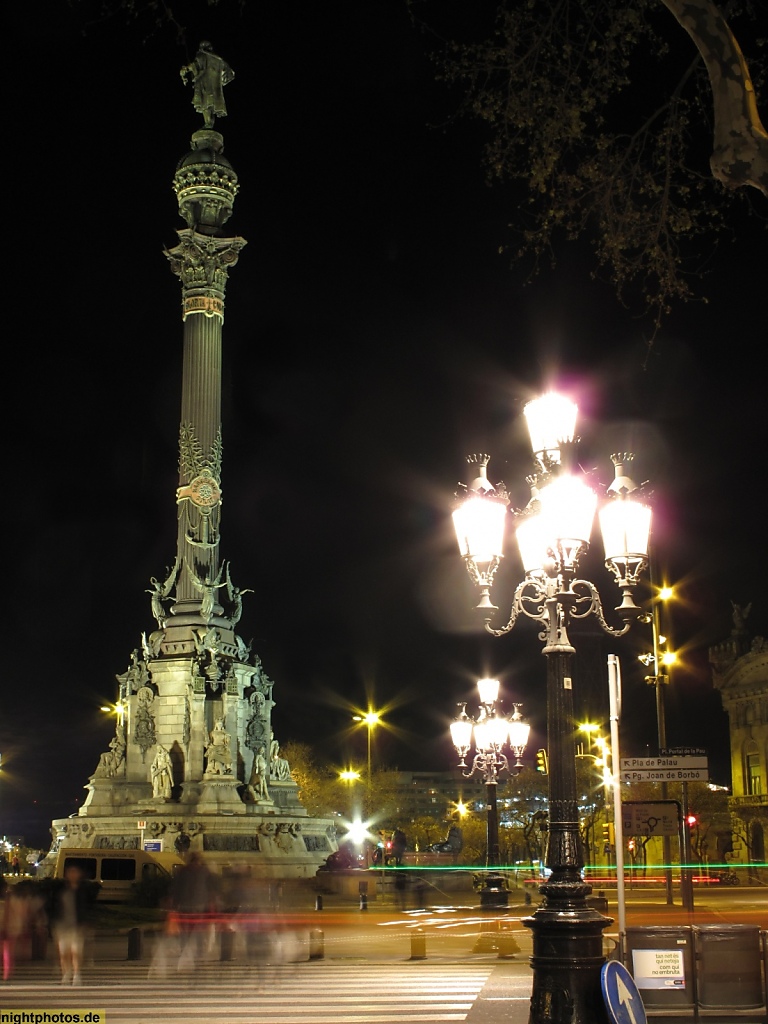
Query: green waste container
x: 728, y: 970
x: 662, y: 963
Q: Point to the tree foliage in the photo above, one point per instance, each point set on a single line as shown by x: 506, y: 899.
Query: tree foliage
x: 320, y: 791
x: 524, y: 817
x: 324, y: 794
x: 596, y: 107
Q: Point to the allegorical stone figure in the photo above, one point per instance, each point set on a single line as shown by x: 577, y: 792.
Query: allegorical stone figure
x: 257, y: 784
x: 256, y: 729
x: 162, y: 774
x: 218, y: 753
x: 112, y: 761
x: 740, y: 615
x: 279, y: 767
x: 144, y: 729
x: 209, y: 75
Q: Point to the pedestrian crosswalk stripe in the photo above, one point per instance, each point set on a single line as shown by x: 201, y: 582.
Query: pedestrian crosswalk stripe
x: 304, y: 993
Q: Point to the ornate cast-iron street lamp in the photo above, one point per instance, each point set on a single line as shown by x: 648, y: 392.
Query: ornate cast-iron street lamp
x: 553, y: 532
x: 492, y: 731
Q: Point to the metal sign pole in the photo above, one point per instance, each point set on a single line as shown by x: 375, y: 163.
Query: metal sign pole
x: 614, y: 706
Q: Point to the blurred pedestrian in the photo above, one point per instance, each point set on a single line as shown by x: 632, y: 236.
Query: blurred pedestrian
x: 6, y: 954
x: 70, y: 907
x: 23, y: 925
x: 420, y: 889
x: 401, y: 890
x: 194, y: 903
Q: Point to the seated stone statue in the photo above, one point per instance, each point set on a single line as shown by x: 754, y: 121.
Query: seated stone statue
x: 218, y: 753
x: 279, y: 768
x: 111, y: 761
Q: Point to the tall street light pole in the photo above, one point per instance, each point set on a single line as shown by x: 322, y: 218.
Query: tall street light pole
x: 370, y: 719
x: 661, y: 661
x: 552, y: 533
x: 492, y: 731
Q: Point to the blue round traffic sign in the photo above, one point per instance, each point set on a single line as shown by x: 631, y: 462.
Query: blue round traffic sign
x: 622, y: 1000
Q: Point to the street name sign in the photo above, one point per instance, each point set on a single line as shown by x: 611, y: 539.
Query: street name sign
x: 667, y: 775
x: 664, y: 769
x: 657, y: 763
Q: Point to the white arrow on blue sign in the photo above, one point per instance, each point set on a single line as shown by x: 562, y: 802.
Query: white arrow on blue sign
x: 622, y: 1000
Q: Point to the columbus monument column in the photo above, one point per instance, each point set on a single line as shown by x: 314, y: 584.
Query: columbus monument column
x: 194, y: 756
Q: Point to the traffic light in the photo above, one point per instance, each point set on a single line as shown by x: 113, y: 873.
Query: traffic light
x: 632, y: 845
x: 609, y: 836
x: 542, y: 761
x: 691, y: 820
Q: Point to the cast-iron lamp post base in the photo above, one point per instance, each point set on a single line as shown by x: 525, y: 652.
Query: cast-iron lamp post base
x: 567, y: 957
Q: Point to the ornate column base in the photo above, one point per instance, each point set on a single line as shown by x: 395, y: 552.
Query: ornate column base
x: 216, y: 795
x: 567, y: 958
x: 113, y: 796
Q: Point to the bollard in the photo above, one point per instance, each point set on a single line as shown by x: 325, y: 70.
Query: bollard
x: 134, y: 943
x: 318, y: 903
x: 527, y: 899
x: 227, y: 950
x: 418, y: 945
x: 507, y: 944
x: 316, y: 944
x: 363, y: 901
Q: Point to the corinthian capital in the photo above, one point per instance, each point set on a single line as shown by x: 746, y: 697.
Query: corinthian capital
x: 202, y: 263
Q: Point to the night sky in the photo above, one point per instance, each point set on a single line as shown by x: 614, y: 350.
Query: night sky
x: 374, y: 336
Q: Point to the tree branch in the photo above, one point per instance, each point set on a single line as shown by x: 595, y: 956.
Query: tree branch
x: 740, y: 155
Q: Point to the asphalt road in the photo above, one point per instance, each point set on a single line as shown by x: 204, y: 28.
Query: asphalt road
x: 370, y: 972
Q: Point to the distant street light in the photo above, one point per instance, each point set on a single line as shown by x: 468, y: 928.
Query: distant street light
x: 370, y: 719
x: 603, y: 760
x: 492, y: 732
x: 552, y: 533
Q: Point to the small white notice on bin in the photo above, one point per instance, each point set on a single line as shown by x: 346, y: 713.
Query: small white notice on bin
x: 658, y: 968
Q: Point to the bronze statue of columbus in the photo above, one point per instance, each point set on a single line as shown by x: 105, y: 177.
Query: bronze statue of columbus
x: 209, y: 76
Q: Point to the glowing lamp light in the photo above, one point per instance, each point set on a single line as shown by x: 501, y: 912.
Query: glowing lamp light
x: 533, y: 542
x: 568, y: 509
x: 519, y: 731
x: 491, y: 733
x: 357, y: 833
x: 626, y: 527
x: 489, y: 690
x: 479, y: 525
x: 461, y: 734
x: 551, y: 421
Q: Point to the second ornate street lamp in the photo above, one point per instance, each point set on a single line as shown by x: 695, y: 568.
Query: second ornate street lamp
x: 553, y: 532
x: 492, y: 732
